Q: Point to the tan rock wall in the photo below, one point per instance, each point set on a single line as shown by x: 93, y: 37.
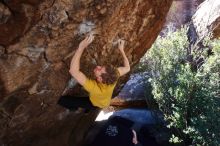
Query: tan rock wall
x: 37, y: 39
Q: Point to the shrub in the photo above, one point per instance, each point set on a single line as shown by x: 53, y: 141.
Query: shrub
x: 186, y: 85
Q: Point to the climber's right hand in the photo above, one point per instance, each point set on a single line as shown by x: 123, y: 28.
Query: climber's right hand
x: 88, y: 40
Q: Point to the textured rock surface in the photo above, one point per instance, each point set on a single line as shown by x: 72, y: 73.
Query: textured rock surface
x: 37, y: 39
x: 207, y: 18
x: 5, y: 13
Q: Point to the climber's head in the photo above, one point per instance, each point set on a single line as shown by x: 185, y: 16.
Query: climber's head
x: 106, y: 74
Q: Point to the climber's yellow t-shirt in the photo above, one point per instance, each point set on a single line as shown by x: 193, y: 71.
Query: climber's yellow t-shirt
x: 99, y: 94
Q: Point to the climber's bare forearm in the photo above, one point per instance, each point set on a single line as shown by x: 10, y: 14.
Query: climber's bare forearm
x: 126, y: 68
x: 75, y: 67
x: 75, y: 62
x: 125, y: 60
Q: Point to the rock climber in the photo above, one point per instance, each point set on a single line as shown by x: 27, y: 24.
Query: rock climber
x: 100, y: 90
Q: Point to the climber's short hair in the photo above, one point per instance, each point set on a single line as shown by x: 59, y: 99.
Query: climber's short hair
x: 111, y: 75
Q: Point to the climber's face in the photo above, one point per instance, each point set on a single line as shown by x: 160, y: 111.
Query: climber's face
x: 98, y: 71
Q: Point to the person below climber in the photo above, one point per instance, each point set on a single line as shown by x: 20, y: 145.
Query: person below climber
x: 120, y: 131
x: 100, y: 90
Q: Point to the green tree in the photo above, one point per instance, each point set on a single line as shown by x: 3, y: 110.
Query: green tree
x: 186, y: 85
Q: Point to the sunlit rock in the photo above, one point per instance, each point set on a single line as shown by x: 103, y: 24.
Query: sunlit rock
x: 207, y: 18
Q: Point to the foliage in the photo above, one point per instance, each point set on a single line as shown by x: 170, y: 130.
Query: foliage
x: 186, y: 85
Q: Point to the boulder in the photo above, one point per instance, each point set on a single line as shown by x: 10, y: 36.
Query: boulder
x: 38, y: 39
x: 207, y: 19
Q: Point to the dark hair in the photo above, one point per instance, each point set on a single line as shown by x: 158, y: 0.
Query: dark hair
x: 111, y: 75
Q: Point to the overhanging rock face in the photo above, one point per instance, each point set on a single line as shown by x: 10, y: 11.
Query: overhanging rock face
x: 207, y: 18
x: 37, y: 39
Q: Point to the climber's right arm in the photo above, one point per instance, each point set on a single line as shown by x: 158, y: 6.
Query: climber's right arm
x: 75, y: 62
